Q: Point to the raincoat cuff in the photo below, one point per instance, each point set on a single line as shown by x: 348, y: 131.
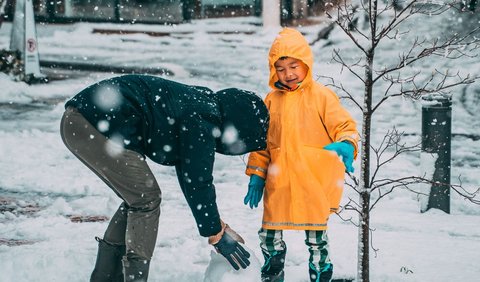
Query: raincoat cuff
x: 257, y: 171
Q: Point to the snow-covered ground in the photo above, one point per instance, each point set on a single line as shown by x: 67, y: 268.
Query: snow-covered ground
x: 42, y: 184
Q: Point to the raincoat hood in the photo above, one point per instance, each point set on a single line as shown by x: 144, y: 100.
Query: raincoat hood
x: 244, y: 122
x: 290, y: 43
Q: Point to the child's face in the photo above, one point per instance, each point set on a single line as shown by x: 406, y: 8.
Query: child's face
x: 290, y: 71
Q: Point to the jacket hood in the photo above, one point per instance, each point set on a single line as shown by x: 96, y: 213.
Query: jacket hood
x: 244, y: 122
x: 289, y: 43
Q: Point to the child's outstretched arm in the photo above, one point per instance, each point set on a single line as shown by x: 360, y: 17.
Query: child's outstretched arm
x: 341, y: 128
x: 345, y: 150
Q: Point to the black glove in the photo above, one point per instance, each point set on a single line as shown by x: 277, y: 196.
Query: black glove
x: 229, y: 247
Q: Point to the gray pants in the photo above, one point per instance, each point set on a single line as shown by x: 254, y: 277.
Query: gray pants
x: 135, y: 224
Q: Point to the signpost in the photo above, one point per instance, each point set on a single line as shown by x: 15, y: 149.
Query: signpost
x: 24, y: 39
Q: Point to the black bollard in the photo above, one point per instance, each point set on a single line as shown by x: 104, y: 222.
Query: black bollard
x: 472, y: 5
x: 436, y: 139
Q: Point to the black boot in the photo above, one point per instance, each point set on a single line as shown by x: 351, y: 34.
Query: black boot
x: 135, y: 270
x: 323, y: 276
x: 272, y: 270
x: 118, y: 276
x: 108, y: 267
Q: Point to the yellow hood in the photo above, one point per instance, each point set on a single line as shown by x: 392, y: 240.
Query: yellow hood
x: 290, y: 43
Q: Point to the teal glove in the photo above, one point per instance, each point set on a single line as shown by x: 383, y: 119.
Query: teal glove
x: 255, y: 191
x: 345, y: 150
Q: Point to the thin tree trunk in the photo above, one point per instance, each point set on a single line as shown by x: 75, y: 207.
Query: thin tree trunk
x: 364, y: 237
x: 363, y: 273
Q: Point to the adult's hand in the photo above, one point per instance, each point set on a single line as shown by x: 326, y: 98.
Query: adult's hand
x: 229, y: 247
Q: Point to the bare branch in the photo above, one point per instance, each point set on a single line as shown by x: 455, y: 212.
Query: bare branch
x: 452, y: 45
x: 338, y: 58
x: 391, y: 140
x: 388, y: 89
x: 381, y: 195
x: 350, y: 220
x: 352, y: 20
x: 355, y: 184
x: 371, y: 241
x: 352, y: 186
x: 348, y: 206
x: 417, y: 91
x: 340, y: 87
x: 398, y: 18
x: 397, y: 34
x: 355, y: 180
x: 341, y: 19
x: 409, y: 180
x: 403, y: 60
x: 352, y: 206
x: 441, y: 87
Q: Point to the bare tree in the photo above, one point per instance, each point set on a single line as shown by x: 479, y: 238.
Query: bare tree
x: 383, y: 21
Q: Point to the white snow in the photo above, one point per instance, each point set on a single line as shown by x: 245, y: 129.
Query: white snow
x: 427, y: 167
x: 36, y: 170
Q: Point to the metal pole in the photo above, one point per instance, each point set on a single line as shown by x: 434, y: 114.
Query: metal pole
x: 257, y: 8
x: 436, y: 140
x: 116, y: 10
x: 51, y: 10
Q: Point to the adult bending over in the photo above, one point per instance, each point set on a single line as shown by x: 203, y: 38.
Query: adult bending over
x: 112, y: 127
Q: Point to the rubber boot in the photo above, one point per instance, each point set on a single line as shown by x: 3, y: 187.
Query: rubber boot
x: 135, y: 270
x: 118, y: 276
x: 272, y: 270
x: 108, y: 267
x: 320, y: 276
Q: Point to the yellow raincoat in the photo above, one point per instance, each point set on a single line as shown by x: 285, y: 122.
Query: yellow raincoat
x: 304, y: 182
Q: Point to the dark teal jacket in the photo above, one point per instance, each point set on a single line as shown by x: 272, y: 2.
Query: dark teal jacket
x: 178, y: 124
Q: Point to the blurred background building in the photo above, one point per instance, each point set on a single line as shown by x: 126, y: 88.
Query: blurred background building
x: 160, y: 11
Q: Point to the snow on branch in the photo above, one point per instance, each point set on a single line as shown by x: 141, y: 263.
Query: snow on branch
x: 453, y: 47
x: 411, y: 87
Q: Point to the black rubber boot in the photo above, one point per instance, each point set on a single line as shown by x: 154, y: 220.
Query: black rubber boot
x: 272, y: 270
x: 317, y: 276
x: 135, y: 270
x: 118, y: 276
x: 108, y: 267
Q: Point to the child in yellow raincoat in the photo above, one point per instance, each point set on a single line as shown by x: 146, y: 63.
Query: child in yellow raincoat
x: 311, y: 142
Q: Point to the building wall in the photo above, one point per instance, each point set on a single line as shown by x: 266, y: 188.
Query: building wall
x: 156, y: 11
x: 162, y: 11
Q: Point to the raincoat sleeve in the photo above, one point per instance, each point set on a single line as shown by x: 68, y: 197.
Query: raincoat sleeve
x: 338, y: 122
x: 194, y: 172
x: 258, y: 161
